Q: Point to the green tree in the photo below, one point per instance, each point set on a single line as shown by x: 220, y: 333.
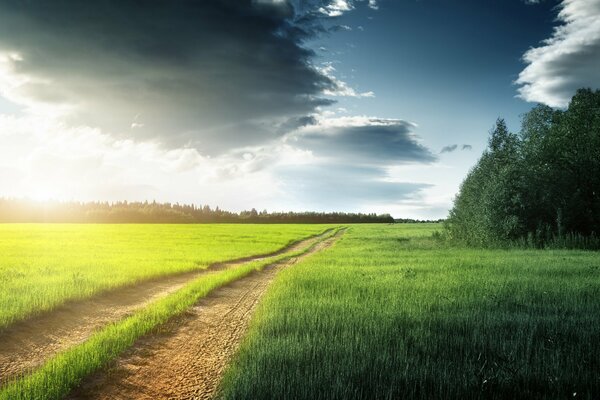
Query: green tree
x: 542, y: 184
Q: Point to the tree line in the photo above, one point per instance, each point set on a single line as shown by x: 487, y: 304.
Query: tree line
x: 418, y: 221
x: 540, y: 186
x: 13, y: 210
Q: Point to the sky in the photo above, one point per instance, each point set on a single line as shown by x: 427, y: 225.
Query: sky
x: 326, y: 105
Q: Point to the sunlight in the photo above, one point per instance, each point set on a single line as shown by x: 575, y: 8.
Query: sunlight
x: 273, y: 199
x: 43, y: 195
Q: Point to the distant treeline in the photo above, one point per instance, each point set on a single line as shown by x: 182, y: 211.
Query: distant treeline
x: 152, y: 212
x: 417, y: 221
x: 540, y: 187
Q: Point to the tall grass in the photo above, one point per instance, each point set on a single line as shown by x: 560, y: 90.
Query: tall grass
x: 387, y: 314
x: 44, y: 265
x: 572, y: 241
x: 62, y: 373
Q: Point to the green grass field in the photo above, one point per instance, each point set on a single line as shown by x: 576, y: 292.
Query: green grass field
x: 63, y: 372
x: 43, y: 265
x: 389, y: 312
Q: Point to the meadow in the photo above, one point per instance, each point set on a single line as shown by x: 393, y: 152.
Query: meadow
x: 391, y: 312
x: 44, y: 265
x: 57, y: 377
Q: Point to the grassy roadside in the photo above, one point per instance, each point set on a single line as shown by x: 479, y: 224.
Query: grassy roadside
x: 63, y: 372
x: 391, y: 313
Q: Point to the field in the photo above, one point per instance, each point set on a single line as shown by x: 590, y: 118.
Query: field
x: 366, y: 311
x: 43, y: 265
x: 390, y: 313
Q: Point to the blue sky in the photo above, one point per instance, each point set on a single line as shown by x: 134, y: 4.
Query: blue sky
x: 285, y: 105
x: 455, y: 59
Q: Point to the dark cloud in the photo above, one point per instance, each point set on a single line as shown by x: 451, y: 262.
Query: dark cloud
x: 370, y: 142
x: 209, y: 73
x: 449, y: 149
x: 453, y: 147
x: 343, y: 186
x: 349, y: 162
x: 295, y: 123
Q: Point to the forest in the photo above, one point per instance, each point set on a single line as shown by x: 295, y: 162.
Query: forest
x: 539, y: 187
x: 14, y: 210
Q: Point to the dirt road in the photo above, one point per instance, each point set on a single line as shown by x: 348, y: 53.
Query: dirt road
x: 187, y: 359
x: 25, y: 345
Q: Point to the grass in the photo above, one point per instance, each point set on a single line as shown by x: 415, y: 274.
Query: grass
x: 63, y: 372
x: 389, y: 312
x: 44, y: 265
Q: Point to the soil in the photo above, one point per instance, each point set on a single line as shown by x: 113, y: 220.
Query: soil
x: 27, y: 344
x: 187, y: 357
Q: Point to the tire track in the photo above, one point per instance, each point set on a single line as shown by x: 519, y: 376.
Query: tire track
x: 27, y: 344
x: 187, y: 358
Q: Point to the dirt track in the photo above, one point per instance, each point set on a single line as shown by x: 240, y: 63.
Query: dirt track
x: 187, y: 359
x: 27, y: 344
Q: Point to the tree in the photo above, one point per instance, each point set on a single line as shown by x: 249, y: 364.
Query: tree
x: 488, y: 205
x: 541, y: 185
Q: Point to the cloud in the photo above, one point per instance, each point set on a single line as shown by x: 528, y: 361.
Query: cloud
x: 210, y: 74
x: 338, y: 87
x: 453, y: 147
x: 568, y: 60
x: 42, y: 159
x: 337, y: 28
x: 213, y: 101
x: 449, y: 149
x: 342, y: 186
x: 336, y: 8
x: 363, y: 140
x: 337, y: 163
x: 327, y: 163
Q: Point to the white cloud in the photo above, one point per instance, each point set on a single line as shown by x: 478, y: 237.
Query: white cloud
x: 339, y: 87
x: 433, y: 201
x: 336, y: 8
x: 354, y: 121
x: 568, y: 60
x: 43, y: 159
x: 137, y: 124
x: 334, y: 164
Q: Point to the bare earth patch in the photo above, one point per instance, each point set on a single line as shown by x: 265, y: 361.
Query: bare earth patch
x: 27, y: 344
x: 187, y: 358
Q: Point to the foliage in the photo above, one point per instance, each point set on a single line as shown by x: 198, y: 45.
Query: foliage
x: 536, y: 187
x: 389, y: 313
